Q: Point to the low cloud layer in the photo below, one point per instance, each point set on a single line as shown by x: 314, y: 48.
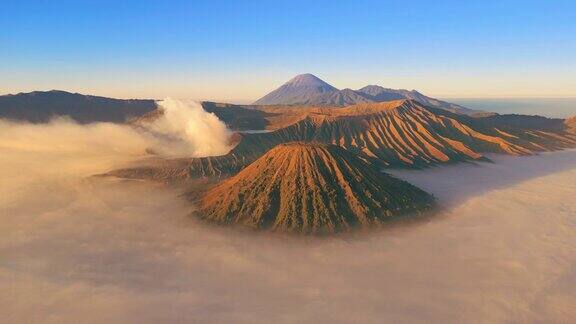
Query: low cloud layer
x: 75, y: 249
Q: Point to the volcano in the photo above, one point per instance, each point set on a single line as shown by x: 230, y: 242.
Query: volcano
x: 308, y: 89
x: 300, y: 89
x: 401, y: 133
x: 311, y: 188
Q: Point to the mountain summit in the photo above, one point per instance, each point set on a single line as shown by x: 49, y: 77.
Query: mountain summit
x: 309, y: 80
x: 307, y: 89
x: 298, y: 90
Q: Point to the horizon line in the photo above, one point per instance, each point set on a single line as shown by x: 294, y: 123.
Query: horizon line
x: 250, y: 100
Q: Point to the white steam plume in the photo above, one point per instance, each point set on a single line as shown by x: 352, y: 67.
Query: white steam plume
x: 201, y: 132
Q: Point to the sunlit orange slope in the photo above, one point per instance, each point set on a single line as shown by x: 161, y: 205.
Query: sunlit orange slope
x: 310, y: 188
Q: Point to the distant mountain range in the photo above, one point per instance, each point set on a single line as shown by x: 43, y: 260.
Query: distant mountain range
x: 41, y: 106
x: 307, y: 89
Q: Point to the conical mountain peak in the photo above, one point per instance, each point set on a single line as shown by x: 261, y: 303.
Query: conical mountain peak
x: 309, y: 90
x: 302, y: 89
x: 311, y: 188
x: 309, y: 80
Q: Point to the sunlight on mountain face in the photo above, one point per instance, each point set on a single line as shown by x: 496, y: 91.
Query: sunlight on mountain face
x: 77, y: 249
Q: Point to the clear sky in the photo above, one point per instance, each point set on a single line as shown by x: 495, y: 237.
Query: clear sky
x: 239, y: 50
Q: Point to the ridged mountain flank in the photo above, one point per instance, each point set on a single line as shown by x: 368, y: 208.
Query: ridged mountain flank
x: 400, y: 133
x: 310, y: 188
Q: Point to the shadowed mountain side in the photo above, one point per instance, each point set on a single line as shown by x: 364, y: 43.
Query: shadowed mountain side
x: 157, y: 169
x: 393, y: 134
x: 310, y: 188
x: 41, y: 106
x: 247, y: 117
x: 238, y: 117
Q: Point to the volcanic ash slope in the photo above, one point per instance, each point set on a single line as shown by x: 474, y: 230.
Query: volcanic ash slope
x: 310, y: 188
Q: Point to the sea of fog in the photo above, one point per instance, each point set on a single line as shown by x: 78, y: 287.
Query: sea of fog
x: 78, y: 249
x: 549, y: 107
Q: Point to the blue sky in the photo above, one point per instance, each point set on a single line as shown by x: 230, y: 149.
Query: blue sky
x: 238, y: 50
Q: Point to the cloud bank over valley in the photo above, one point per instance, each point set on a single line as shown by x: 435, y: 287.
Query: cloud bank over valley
x: 80, y: 249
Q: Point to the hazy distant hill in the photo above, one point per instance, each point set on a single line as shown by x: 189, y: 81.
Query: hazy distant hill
x: 380, y: 94
x: 307, y: 89
x: 40, y: 106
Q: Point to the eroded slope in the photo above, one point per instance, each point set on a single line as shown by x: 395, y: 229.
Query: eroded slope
x: 310, y: 188
x: 400, y: 133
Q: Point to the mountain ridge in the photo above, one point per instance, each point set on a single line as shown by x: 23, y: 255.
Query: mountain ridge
x: 307, y: 89
x: 401, y: 133
x: 41, y: 106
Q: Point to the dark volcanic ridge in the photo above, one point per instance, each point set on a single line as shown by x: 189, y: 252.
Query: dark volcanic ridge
x: 401, y: 133
x: 307, y: 89
x: 311, y: 188
x: 41, y: 106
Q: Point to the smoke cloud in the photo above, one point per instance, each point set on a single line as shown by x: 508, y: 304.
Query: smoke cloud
x: 187, y: 122
x: 82, y: 250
